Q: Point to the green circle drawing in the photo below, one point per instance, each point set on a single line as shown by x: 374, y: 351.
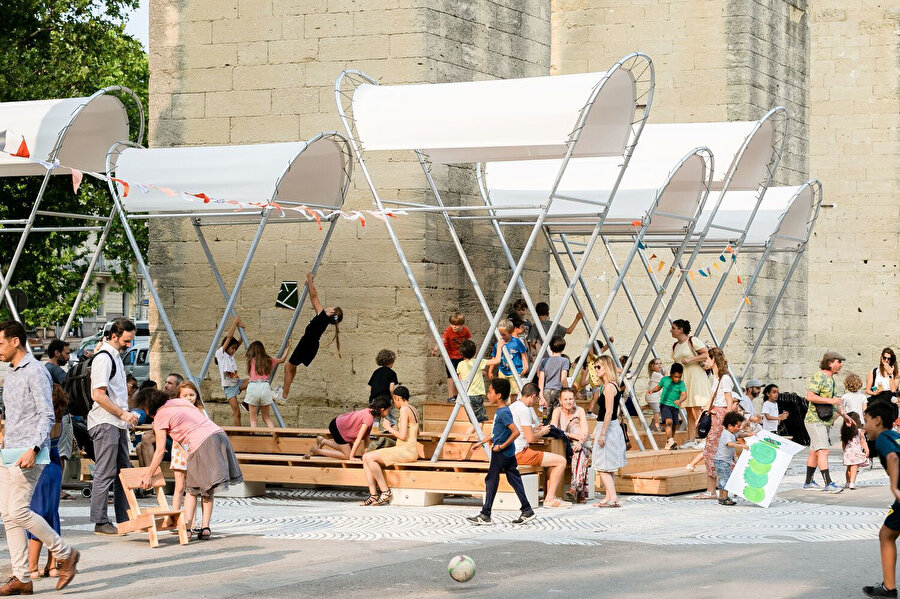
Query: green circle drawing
x: 754, y: 494
x: 762, y: 453
x: 759, y: 468
x: 755, y: 479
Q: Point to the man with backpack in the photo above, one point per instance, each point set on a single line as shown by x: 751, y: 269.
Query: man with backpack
x: 108, y: 422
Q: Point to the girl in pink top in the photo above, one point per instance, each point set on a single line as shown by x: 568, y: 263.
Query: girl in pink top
x: 259, y: 393
x: 211, y: 463
x: 350, y: 430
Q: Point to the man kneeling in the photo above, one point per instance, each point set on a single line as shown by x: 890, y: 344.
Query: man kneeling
x: 529, y: 426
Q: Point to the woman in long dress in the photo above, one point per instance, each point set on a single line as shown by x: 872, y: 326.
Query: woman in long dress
x: 609, y: 440
x: 691, y: 353
x: 721, y: 401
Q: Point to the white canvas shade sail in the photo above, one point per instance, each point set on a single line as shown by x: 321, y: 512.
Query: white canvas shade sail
x: 668, y: 142
x: 784, y: 216
x: 96, y: 123
x: 526, y: 183
x: 311, y: 173
x: 506, y: 119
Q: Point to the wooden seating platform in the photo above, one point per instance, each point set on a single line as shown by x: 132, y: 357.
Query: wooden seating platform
x: 415, y: 483
x: 659, y: 473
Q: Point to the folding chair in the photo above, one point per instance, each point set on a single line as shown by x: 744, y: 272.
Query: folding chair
x: 153, y: 519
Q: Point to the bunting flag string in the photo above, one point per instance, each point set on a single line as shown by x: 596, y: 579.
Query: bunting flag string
x: 705, y: 272
x: 14, y: 144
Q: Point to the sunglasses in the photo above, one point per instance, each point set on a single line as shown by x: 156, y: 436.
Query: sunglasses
x: 888, y: 358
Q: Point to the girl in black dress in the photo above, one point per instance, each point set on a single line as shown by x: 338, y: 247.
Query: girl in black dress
x: 308, y: 346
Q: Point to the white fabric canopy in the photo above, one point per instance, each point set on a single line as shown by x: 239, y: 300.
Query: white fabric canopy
x: 506, y: 119
x: 784, y: 213
x: 527, y: 183
x: 95, y: 126
x: 668, y: 142
x: 305, y: 172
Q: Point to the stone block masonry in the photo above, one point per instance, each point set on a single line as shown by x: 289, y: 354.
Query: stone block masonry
x: 252, y: 71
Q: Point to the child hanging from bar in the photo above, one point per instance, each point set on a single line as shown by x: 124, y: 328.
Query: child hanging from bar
x: 517, y: 352
x: 308, y: 346
x: 232, y: 384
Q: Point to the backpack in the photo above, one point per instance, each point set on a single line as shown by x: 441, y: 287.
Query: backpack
x: 78, y: 385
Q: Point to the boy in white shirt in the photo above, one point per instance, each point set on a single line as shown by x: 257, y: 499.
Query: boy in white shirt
x: 232, y: 385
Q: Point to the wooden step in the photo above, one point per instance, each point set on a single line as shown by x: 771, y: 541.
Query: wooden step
x: 666, y: 481
x: 441, y: 410
x: 645, y: 461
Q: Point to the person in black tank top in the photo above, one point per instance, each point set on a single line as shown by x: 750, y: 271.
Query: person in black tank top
x: 308, y: 346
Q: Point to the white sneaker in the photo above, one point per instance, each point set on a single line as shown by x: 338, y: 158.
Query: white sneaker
x: 701, y: 444
x: 689, y: 444
x: 277, y: 397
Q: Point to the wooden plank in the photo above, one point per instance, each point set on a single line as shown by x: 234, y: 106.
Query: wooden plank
x: 642, y: 461
x: 669, y: 481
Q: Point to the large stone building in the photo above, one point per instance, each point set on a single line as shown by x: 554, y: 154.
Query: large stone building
x: 247, y: 71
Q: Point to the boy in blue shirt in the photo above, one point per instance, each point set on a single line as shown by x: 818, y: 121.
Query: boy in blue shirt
x: 517, y: 351
x: 503, y: 457
x: 880, y: 416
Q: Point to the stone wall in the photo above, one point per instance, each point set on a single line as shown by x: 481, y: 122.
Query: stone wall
x: 716, y: 60
x: 249, y: 71
x: 854, y: 150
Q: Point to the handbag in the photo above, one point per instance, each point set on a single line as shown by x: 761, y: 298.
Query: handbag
x: 625, y: 432
x: 825, y: 411
x: 704, y: 423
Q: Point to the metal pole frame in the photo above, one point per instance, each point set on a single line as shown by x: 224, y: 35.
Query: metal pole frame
x: 690, y: 222
x: 780, y: 119
x: 6, y: 278
x: 801, y: 249
x: 355, y: 78
x: 231, y: 297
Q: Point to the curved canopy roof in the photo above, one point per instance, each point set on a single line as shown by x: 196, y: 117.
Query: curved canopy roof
x: 76, y: 131
x: 315, y: 173
x: 668, y: 142
x: 505, y: 119
x: 680, y: 185
x: 785, y: 217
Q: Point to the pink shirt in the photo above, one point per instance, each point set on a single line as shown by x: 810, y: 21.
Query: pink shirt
x: 253, y: 376
x: 184, y: 423
x: 349, y: 424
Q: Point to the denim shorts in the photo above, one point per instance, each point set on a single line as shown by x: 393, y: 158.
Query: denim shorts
x: 723, y: 472
x: 232, y: 390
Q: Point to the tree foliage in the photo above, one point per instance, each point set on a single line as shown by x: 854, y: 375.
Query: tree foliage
x: 61, y: 49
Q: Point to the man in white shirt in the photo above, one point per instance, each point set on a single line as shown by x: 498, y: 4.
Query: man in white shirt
x: 108, y: 423
x: 530, y: 430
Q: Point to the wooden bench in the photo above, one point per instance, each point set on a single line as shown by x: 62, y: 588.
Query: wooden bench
x: 415, y: 483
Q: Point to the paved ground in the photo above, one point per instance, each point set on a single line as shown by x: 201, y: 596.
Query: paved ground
x: 299, y: 543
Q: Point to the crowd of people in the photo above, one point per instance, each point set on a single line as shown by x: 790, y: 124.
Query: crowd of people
x: 696, y: 387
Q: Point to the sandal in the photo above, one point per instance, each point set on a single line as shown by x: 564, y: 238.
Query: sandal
x: 727, y: 501
x: 320, y: 440
x: 372, y: 500
x: 704, y: 495
x: 608, y: 504
x: 35, y: 574
x: 384, y: 498
x: 205, y: 534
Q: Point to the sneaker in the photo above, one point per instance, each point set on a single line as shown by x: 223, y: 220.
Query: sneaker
x: 523, y: 517
x: 108, y: 529
x: 671, y: 444
x: 451, y: 399
x: 246, y: 407
x: 700, y: 444
x: 480, y: 520
x: 832, y: 488
x: 277, y: 397
x: 591, y: 416
x: 811, y: 486
x: 689, y: 444
x: 851, y: 486
x: 878, y: 590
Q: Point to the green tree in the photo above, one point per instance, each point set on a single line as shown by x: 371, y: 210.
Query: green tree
x: 61, y: 49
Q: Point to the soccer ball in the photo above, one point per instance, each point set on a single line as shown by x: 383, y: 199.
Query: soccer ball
x: 461, y: 568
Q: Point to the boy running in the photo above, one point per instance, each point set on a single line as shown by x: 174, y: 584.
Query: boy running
x: 879, y: 422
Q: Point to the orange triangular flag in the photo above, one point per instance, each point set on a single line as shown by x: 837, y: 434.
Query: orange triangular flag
x: 124, y: 184
x: 22, y: 152
x: 739, y: 280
